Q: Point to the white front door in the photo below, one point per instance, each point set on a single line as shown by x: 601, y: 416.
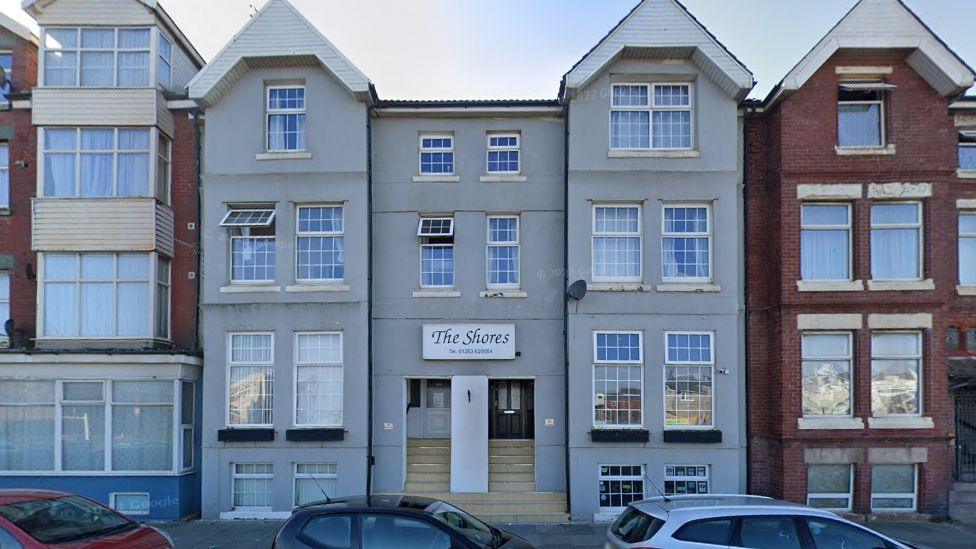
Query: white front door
x: 437, y: 412
x: 469, y: 434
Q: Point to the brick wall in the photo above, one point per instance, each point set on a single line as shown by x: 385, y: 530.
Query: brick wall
x: 184, y: 196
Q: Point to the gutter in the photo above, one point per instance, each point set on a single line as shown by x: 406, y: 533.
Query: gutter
x: 569, y: 492
x: 370, y: 459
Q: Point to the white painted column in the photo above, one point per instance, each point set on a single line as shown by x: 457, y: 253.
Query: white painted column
x: 469, y: 434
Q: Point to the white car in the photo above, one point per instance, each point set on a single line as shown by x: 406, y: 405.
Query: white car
x: 730, y: 521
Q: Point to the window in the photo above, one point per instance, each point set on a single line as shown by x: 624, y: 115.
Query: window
x: 318, y: 385
x: 164, y: 65
x: 83, y: 426
x: 4, y: 176
x: 503, y: 252
x: 688, y: 380
x: 321, y: 250
x: 686, y: 244
x: 142, y: 425
x: 314, y: 482
x: 894, y: 488
x: 436, y: 154
x: 187, y: 413
x: 130, y: 503
x: 643, y: 120
x: 896, y: 370
x: 96, y: 57
x: 896, y: 241
x: 436, y: 252
x: 617, y: 379
x: 251, y: 485
x: 710, y: 531
x: 27, y: 416
x: 768, y: 533
x: 7, y: 64
x: 620, y: 485
x: 685, y: 479
x: 4, y: 299
x: 827, y: 388
x: 830, y: 487
x: 92, y: 162
x: 829, y: 533
x: 825, y: 242
x: 616, y: 243
x: 860, y: 114
x: 286, y: 119
x: 635, y: 527
x: 967, y: 249
x: 385, y: 531
x: 251, y: 375
x: 163, y: 292
x: 164, y: 163
x: 332, y: 531
x: 252, y: 244
x: 97, y: 295
x: 503, y: 153
x: 967, y: 150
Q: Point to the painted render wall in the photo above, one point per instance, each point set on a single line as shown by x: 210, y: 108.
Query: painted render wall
x: 336, y: 173
x: 715, y: 177
x: 399, y: 317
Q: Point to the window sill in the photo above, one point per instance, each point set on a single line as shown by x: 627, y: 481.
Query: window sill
x: 900, y: 423
x: 965, y: 174
x: 246, y: 434
x: 620, y: 435
x: 653, y: 154
x: 900, y: 285
x: 503, y: 293
x: 830, y: 286
x: 693, y: 436
x: 436, y: 179
x: 618, y: 287
x: 318, y: 287
x: 436, y: 293
x: 865, y: 151
x: 829, y: 423
x: 965, y: 290
x: 503, y: 178
x: 249, y: 288
x: 315, y: 434
x: 296, y: 155
x: 683, y: 287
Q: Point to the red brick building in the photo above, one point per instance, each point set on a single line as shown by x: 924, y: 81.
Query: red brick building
x: 852, y: 191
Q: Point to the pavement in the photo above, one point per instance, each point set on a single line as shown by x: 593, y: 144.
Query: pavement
x: 258, y: 534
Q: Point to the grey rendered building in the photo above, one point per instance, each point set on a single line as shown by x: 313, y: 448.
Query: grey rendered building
x: 385, y: 282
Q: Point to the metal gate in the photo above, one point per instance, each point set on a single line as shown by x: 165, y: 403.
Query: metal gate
x: 966, y: 436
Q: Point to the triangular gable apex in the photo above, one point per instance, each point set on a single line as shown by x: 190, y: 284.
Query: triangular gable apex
x: 34, y: 6
x: 230, y: 64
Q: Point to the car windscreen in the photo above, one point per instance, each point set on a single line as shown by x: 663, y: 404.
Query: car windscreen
x: 634, y: 526
x: 465, y: 524
x: 66, y: 519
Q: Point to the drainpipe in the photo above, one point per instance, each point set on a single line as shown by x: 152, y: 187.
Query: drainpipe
x: 369, y: 300
x: 195, y: 113
x: 750, y: 111
x: 569, y: 500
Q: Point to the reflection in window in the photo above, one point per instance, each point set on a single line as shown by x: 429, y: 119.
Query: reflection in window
x: 896, y: 366
x: 826, y: 374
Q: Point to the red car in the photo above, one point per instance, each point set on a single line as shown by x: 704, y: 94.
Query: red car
x: 33, y: 519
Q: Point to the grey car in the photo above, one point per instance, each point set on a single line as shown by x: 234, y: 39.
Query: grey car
x: 727, y: 521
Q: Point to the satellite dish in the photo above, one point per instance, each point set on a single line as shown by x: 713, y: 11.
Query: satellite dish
x: 577, y: 290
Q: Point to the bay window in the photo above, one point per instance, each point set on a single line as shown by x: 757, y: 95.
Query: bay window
x: 686, y: 241
x: 252, y: 244
x: 104, y: 295
x: 616, y: 244
x: 896, y: 371
x: 618, y: 379
x: 825, y: 241
x: 826, y: 365
x: 896, y: 241
x: 251, y: 377
x: 318, y: 375
x: 96, y: 57
x: 164, y: 62
x: 187, y: 415
x: 321, y: 244
x: 83, y: 426
x: 27, y: 412
x: 98, y: 162
x: 688, y: 380
x: 142, y: 425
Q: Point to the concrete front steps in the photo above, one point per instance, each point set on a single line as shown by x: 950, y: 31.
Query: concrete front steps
x: 510, y: 507
x: 428, y: 465
x: 962, y: 502
x: 511, y: 466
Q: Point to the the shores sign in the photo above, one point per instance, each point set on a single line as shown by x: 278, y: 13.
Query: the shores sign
x: 469, y: 341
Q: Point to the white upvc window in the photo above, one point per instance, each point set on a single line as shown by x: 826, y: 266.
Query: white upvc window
x: 896, y: 241
x: 686, y: 243
x: 82, y: 411
x: 894, y: 488
x: 96, y: 57
x: 436, y: 252
x: 861, y: 114
x: 164, y: 169
x: 827, y: 383
x: 250, y: 379
x: 251, y: 486
x: 286, y: 118
x: 315, y: 482
x: 252, y: 244
x: 619, y: 486
x: 967, y: 248
x: 503, y: 251
x: 616, y: 245
x: 164, y: 63
x: 825, y: 242
x: 503, y: 155
x: 98, y: 162
x: 830, y: 487
x: 686, y: 479
x: 318, y: 379
x: 104, y: 295
x: 436, y: 154
x: 321, y: 244
x: 4, y: 176
x: 188, y: 412
x: 142, y: 425
x: 618, y: 380
x: 967, y: 150
x: 689, y: 373
x: 896, y: 373
x: 651, y: 116
x: 4, y: 300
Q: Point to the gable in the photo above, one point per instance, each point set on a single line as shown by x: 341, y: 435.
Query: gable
x: 278, y: 35
x: 662, y: 29
x: 81, y: 12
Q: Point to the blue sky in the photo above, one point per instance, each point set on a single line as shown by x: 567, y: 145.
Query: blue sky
x: 469, y: 49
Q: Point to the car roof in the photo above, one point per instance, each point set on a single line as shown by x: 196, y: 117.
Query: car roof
x: 379, y: 502
x: 719, y: 503
x: 13, y: 496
